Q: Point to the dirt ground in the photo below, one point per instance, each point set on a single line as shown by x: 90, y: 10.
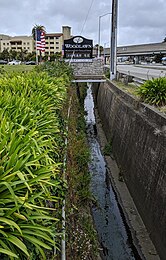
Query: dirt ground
x: 139, y: 233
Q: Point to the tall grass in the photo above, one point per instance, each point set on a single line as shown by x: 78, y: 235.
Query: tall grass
x: 31, y: 145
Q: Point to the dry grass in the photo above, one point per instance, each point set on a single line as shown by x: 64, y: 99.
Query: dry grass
x: 130, y: 88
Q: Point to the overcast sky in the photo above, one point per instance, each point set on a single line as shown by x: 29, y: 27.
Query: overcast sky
x: 139, y: 21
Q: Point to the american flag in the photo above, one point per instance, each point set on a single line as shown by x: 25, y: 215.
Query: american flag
x: 40, y: 40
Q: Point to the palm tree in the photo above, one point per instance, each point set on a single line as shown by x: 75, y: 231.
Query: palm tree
x: 34, y: 29
x: 37, y: 27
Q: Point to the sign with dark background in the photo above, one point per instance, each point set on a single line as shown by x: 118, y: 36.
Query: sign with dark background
x: 78, y: 47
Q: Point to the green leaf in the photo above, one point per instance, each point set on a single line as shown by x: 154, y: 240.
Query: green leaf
x: 33, y: 239
x: 17, y: 242
x: 10, y: 223
x: 7, y: 252
x: 11, y: 191
x: 43, y: 217
x: 34, y: 227
x: 41, y: 251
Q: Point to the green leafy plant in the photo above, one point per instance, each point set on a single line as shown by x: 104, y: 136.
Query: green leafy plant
x: 108, y: 148
x: 153, y: 92
x: 57, y: 69
x: 31, y: 147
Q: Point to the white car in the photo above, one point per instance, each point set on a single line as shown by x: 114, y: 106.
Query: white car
x: 14, y: 62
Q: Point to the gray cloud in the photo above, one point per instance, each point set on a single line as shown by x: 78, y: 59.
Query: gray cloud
x: 141, y: 21
x: 138, y: 21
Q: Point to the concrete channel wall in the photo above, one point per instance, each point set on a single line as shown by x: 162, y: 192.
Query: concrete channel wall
x: 139, y: 146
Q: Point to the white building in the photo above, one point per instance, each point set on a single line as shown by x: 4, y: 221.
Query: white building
x: 54, y: 42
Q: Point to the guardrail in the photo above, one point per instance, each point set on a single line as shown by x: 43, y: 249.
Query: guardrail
x: 141, y: 75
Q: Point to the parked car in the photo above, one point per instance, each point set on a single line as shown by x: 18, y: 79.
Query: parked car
x: 14, y: 62
x: 163, y: 60
x: 3, y: 62
x: 31, y: 62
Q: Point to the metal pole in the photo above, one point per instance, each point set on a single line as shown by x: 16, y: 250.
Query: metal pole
x: 36, y: 46
x: 98, y: 53
x: 113, y: 49
x: 63, y: 242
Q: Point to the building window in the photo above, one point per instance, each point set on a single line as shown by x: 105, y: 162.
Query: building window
x: 51, y: 38
x: 28, y: 48
x: 57, y: 38
x: 7, y: 43
x: 4, y: 43
x: 46, y: 47
x: 27, y: 43
x: 46, y: 42
x: 51, y: 42
x: 51, y: 52
x: 57, y: 48
x: 57, y: 42
x: 51, y: 47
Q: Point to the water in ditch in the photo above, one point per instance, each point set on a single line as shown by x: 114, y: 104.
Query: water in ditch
x: 114, y: 238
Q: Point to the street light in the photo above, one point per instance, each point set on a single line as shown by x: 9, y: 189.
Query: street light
x: 98, y: 53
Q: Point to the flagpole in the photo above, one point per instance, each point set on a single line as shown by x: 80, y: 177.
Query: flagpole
x: 37, y: 62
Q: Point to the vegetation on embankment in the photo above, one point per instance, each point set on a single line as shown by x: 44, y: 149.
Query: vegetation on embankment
x: 152, y: 92
x: 81, y: 236
x: 33, y: 115
x: 31, y: 163
x: 16, y: 68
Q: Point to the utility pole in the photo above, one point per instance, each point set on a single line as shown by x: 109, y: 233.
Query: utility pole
x: 113, y: 47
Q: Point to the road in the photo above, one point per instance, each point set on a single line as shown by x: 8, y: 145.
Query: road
x: 142, y: 72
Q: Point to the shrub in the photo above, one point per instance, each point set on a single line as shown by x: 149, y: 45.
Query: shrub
x: 31, y: 144
x: 153, y: 92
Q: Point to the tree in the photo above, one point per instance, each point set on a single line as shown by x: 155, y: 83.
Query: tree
x: 37, y: 27
x: 4, y: 55
x: 21, y: 55
x: 34, y: 29
x: 12, y: 54
x: 96, y: 49
x: 164, y: 39
x: 31, y: 56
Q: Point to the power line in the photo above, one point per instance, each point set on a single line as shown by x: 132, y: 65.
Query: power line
x: 83, y: 27
x: 86, y: 16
